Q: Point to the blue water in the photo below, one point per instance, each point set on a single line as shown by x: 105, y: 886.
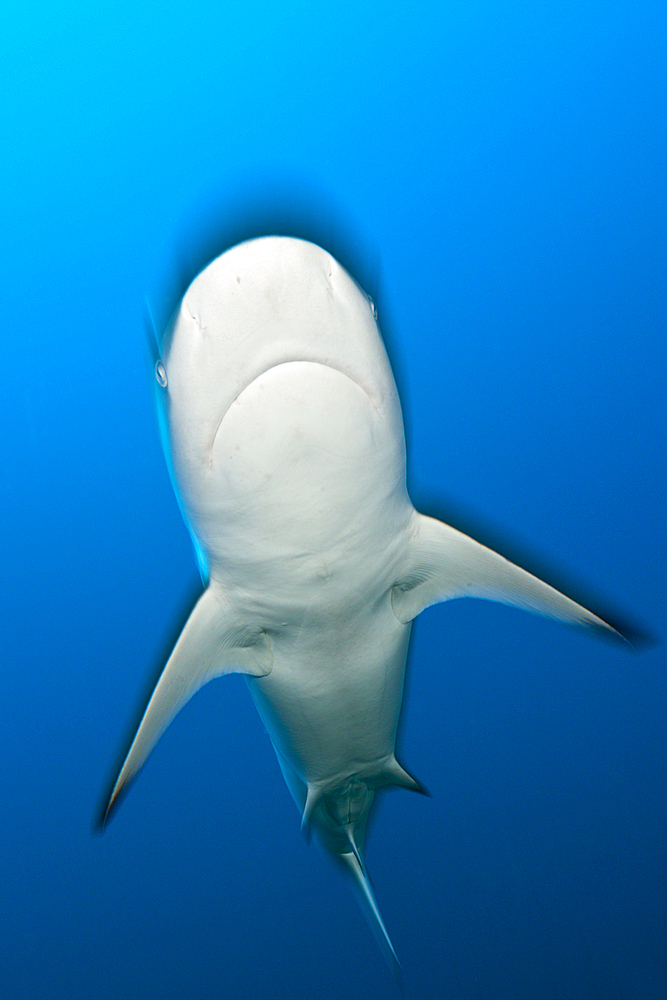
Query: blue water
x: 498, y: 172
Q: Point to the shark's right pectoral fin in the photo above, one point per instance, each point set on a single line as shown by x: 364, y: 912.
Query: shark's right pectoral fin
x: 213, y: 642
x: 443, y: 563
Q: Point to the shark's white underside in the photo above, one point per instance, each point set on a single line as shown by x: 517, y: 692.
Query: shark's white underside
x: 284, y: 437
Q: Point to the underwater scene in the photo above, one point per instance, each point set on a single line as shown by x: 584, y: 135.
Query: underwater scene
x: 478, y: 190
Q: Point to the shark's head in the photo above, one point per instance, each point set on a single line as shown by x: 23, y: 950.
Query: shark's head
x: 262, y: 304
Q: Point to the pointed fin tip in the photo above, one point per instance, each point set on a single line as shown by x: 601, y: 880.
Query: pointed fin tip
x: 622, y: 633
x: 110, y: 807
x: 312, y: 798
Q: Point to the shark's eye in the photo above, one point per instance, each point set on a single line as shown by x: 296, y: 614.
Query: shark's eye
x: 161, y: 374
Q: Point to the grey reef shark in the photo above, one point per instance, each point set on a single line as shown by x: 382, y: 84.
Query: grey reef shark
x: 283, y: 433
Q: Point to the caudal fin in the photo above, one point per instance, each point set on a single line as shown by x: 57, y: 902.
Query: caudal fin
x: 369, y: 907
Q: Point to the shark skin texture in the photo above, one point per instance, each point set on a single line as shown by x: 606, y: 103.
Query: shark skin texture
x: 283, y: 433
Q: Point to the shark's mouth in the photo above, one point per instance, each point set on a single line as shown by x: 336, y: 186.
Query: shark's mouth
x: 286, y: 370
x: 300, y: 429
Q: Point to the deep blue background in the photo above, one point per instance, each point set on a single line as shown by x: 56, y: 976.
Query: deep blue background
x: 503, y: 165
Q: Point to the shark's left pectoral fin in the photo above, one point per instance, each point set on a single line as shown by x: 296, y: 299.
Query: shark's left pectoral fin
x: 443, y: 563
x: 213, y: 642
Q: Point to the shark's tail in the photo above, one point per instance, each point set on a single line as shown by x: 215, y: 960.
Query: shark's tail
x: 366, y: 899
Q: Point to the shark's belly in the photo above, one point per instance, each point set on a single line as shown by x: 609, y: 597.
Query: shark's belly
x: 302, y: 469
x: 302, y: 515
x: 332, y: 702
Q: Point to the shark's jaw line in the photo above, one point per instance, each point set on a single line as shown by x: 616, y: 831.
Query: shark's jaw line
x: 284, y: 437
x: 287, y: 361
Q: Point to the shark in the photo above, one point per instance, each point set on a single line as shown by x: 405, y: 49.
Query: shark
x: 283, y: 434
